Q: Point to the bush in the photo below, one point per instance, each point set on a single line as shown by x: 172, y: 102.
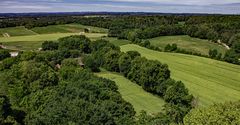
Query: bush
x: 218, y: 114
x: 49, y: 45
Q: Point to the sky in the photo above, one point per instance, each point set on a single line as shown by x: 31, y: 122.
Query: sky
x: 163, y: 6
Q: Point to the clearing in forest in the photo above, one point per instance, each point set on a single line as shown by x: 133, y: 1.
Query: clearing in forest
x: 134, y: 94
x: 209, y: 80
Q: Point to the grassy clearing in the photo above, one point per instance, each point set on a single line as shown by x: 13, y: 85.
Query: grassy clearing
x: 16, y: 31
x: 188, y: 43
x: 209, y: 80
x: 67, y: 28
x: 131, y: 92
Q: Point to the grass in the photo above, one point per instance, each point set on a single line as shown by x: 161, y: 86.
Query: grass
x: 209, y: 80
x: 67, y: 28
x: 131, y: 92
x: 23, y: 45
x: 35, y: 41
x: 188, y: 43
x: 16, y: 31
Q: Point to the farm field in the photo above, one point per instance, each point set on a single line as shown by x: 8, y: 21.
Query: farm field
x: 15, y: 31
x: 131, y: 92
x: 188, y: 43
x: 35, y: 41
x: 209, y: 80
x: 67, y: 28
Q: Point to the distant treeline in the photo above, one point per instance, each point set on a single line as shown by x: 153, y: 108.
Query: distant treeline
x: 216, y: 28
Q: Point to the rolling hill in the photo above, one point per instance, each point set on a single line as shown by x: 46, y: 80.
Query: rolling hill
x: 210, y: 81
x: 188, y: 43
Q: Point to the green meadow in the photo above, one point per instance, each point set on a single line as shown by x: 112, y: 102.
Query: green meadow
x: 210, y: 81
x: 134, y: 94
x: 188, y: 43
x: 15, y: 31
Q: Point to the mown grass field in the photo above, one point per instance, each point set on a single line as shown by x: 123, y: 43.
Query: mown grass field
x: 16, y: 31
x: 131, y: 92
x: 188, y: 43
x: 34, y: 41
x: 209, y: 80
x: 67, y: 28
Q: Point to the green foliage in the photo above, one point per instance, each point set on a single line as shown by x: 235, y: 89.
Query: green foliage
x: 83, y: 99
x: 111, y: 60
x: 8, y: 116
x: 232, y: 57
x: 7, y: 63
x: 28, y: 55
x: 124, y: 62
x: 170, y: 48
x: 102, y: 44
x: 178, y: 94
x: 91, y: 63
x: 80, y: 42
x: 70, y: 62
x: 49, y: 45
x: 213, y: 53
x: 218, y: 114
x: 27, y: 77
x: 4, y: 54
x: 133, y: 54
x: 158, y: 119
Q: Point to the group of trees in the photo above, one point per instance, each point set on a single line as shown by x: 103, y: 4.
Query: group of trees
x: 233, y: 55
x: 153, y: 76
x: 34, y: 91
x: 151, y: 32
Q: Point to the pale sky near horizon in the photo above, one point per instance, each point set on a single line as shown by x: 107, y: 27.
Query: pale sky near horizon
x: 164, y: 6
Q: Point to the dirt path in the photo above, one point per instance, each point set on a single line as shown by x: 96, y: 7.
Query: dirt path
x: 223, y: 44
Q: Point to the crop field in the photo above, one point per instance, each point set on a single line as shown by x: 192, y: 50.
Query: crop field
x: 15, y: 31
x: 188, y: 43
x: 210, y: 81
x: 131, y: 92
x: 67, y: 28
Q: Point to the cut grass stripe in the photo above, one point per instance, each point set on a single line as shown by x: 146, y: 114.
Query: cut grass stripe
x: 134, y: 94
